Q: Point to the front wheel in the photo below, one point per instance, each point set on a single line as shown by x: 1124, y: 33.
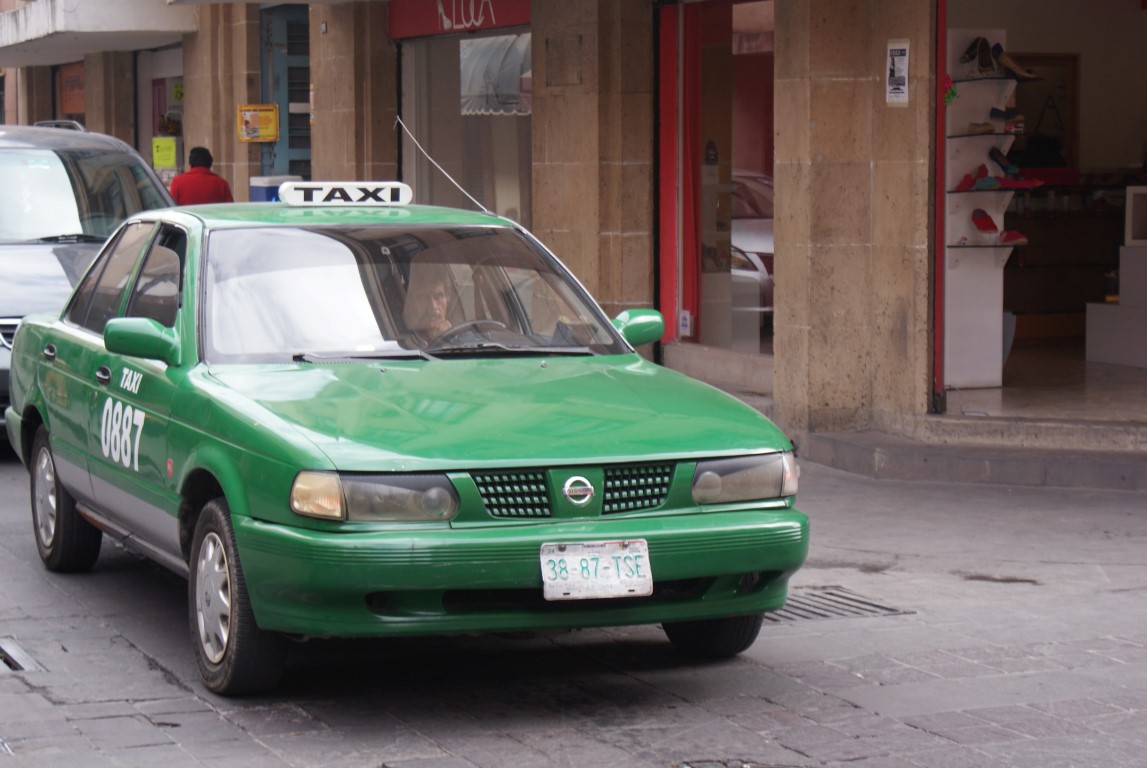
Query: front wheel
x: 67, y: 542
x: 235, y: 657
x: 714, y: 638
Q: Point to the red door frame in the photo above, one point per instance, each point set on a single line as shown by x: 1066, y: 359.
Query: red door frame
x: 668, y: 169
x: 938, y: 404
x: 679, y: 121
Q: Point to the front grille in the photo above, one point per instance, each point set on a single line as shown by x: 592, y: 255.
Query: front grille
x: 8, y: 326
x: 633, y: 487
x: 525, y: 493
x: 514, y: 493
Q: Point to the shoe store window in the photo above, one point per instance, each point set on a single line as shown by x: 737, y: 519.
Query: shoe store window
x: 1042, y: 145
x: 467, y: 102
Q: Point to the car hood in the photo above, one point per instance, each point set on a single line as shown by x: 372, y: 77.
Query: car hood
x: 486, y: 413
x: 39, y: 277
x: 753, y: 235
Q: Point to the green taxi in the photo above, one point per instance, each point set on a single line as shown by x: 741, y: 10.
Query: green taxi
x: 343, y: 415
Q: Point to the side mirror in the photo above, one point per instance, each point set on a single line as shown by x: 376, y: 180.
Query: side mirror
x: 640, y: 326
x: 142, y: 337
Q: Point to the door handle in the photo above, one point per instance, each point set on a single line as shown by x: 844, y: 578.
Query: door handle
x: 50, y: 352
x: 104, y: 375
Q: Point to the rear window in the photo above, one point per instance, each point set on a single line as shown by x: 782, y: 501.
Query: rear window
x: 45, y: 193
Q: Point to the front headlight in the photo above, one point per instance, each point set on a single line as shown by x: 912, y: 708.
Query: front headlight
x: 374, y: 498
x: 745, y: 478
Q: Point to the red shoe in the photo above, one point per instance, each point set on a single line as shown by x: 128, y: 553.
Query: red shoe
x: 966, y: 183
x: 1010, y: 237
x: 983, y: 221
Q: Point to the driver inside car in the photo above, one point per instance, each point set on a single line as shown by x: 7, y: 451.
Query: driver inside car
x: 428, y: 305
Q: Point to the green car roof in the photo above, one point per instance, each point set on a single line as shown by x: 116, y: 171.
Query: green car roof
x: 231, y: 215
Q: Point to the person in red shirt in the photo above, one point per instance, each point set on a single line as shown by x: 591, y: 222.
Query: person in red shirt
x: 200, y: 184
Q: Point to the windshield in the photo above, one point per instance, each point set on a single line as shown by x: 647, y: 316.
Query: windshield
x: 47, y: 193
x: 279, y: 293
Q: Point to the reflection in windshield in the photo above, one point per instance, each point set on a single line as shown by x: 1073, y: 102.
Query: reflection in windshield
x: 277, y: 294
x: 51, y: 193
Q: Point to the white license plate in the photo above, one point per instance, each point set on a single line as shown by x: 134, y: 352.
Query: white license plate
x: 584, y: 570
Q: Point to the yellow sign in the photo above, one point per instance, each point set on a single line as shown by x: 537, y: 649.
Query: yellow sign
x: 259, y: 122
x: 163, y: 154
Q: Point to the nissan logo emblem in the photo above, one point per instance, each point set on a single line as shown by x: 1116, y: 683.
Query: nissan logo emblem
x: 578, y: 491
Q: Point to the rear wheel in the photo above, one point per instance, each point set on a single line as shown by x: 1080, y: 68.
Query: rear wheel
x: 67, y: 542
x: 714, y: 638
x: 235, y: 657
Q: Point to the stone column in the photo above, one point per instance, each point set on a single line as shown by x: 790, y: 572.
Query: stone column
x: 592, y: 147
x: 221, y: 70
x: 354, y: 69
x: 32, y: 96
x: 109, y: 95
x: 851, y: 231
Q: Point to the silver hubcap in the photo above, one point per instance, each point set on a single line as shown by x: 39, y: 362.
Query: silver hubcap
x: 213, y: 598
x: 44, y: 503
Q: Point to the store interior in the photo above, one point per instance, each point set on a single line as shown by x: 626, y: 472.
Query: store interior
x: 1072, y: 333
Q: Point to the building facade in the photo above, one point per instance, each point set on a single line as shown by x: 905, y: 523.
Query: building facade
x: 622, y: 132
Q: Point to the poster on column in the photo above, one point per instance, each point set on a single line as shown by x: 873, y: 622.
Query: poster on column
x: 259, y: 122
x: 896, y: 84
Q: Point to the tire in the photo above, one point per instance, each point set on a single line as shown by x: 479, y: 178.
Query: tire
x: 234, y: 656
x: 67, y: 542
x: 714, y: 638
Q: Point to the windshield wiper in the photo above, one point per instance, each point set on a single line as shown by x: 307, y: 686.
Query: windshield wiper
x: 483, y: 347
x: 390, y: 354
x: 75, y: 238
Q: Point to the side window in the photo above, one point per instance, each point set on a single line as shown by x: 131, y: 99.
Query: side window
x: 156, y: 292
x: 100, y: 294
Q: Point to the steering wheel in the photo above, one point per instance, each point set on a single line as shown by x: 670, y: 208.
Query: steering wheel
x: 468, y: 325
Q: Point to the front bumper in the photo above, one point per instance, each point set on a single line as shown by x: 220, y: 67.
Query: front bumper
x: 704, y: 565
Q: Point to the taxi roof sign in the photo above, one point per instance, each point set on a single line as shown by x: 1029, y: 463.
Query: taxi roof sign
x: 335, y: 193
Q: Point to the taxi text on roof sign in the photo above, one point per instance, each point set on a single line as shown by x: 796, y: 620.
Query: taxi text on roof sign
x: 345, y: 193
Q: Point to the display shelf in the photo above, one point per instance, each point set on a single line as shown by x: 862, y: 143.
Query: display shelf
x: 974, y: 348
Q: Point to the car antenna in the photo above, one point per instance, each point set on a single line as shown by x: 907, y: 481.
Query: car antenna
x: 426, y: 154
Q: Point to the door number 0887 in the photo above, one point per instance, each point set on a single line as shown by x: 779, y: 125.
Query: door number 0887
x: 118, y: 440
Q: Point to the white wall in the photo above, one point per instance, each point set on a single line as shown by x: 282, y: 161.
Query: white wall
x: 1110, y: 37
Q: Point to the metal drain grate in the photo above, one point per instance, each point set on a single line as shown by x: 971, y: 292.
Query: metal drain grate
x: 830, y: 603
x: 15, y: 658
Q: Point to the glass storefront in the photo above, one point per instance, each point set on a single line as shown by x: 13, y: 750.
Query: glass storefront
x: 722, y: 155
x: 467, y: 102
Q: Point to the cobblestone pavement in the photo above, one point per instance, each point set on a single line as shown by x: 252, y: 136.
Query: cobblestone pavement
x: 1019, y: 638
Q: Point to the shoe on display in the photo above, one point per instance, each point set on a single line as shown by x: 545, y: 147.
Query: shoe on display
x: 1011, y: 237
x: 972, y: 52
x: 1000, y: 159
x: 984, y: 59
x: 988, y: 183
x: 1010, y: 65
x: 1014, y: 126
x: 983, y: 222
x: 966, y: 183
x: 981, y: 128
